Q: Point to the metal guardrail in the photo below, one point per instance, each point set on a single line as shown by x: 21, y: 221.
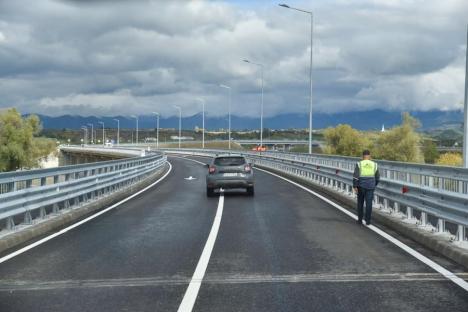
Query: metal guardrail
x: 427, y: 195
x: 35, y: 194
x: 105, y: 150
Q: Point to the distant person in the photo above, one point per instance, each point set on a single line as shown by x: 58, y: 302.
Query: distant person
x: 365, y: 178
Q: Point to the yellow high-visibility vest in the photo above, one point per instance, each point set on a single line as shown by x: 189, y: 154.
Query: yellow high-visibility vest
x: 367, y: 168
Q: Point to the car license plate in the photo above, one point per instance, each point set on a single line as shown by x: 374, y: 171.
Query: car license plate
x: 229, y: 174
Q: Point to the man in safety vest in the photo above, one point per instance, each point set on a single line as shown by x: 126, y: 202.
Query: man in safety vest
x: 365, y: 178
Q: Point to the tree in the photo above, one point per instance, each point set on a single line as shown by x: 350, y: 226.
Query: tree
x: 344, y: 140
x: 401, y: 143
x: 450, y: 159
x: 18, y: 146
x: 430, y: 151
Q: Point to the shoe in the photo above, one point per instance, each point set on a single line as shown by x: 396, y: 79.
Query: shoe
x: 367, y: 223
x: 359, y: 222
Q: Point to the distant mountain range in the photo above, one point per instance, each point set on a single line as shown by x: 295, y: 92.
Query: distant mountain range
x: 368, y: 120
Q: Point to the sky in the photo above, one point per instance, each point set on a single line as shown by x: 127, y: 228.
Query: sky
x: 109, y: 58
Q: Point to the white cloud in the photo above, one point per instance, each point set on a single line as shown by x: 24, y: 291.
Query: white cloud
x: 127, y: 57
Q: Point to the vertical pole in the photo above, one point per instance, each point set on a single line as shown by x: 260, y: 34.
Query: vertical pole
x: 261, y: 116
x: 180, y: 124
x: 157, y: 131
x: 423, y: 219
x: 441, y: 226
x: 203, y: 124
x: 310, y: 73
x: 229, y: 111
x: 465, y: 126
x: 92, y: 132
x: 136, y: 129
x: 118, y: 132
x: 103, y: 134
x: 461, y: 233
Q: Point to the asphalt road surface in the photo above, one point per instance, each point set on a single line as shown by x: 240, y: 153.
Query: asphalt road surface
x: 282, y: 250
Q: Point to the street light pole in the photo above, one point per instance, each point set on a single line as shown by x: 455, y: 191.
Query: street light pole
x: 157, y: 129
x: 85, y: 136
x: 103, y: 134
x: 118, y: 131
x: 310, y: 69
x: 203, y: 121
x: 92, y: 133
x: 465, y: 127
x: 136, y: 118
x: 180, y: 122
x: 229, y: 111
x: 261, y: 107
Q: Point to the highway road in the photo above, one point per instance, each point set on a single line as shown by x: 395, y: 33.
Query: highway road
x: 282, y: 250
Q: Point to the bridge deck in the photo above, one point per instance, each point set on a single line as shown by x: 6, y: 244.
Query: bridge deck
x: 282, y: 250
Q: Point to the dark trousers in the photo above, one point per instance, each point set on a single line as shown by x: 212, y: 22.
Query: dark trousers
x: 366, y: 195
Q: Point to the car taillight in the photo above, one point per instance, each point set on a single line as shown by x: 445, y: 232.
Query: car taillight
x: 211, y: 169
x: 247, y: 168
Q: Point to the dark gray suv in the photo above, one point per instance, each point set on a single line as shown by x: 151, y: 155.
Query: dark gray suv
x: 229, y: 172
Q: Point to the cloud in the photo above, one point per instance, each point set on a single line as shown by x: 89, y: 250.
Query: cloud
x: 134, y: 57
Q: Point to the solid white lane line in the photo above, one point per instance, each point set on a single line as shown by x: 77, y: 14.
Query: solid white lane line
x: 45, y: 239
x: 446, y: 273
x: 192, y: 291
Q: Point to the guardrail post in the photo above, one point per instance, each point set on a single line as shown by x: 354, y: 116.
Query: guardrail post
x: 385, y: 205
x: 42, y: 213
x: 56, y: 179
x: 27, y: 217
x: 55, y: 208
x: 423, y: 221
x: 460, y: 233
x: 10, y: 224
x: 440, y: 226
x: 431, y: 182
x: 396, y: 208
x: 409, y: 213
x: 43, y: 181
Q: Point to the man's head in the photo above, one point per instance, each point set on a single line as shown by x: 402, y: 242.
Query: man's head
x: 366, y: 154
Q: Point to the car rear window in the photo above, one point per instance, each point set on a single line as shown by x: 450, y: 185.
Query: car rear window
x: 229, y: 161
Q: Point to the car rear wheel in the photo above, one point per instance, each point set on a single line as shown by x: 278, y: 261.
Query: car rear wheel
x: 209, y: 192
x: 250, y: 191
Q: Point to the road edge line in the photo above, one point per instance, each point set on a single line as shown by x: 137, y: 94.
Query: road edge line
x: 433, y: 265
x: 74, y: 225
